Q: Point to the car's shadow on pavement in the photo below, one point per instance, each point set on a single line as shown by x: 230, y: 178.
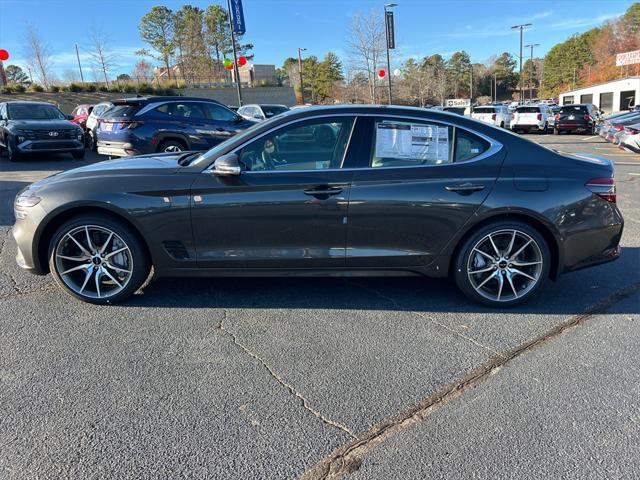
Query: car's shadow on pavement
x: 573, y: 293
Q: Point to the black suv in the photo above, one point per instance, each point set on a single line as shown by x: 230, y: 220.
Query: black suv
x: 576, y: 117
x: 38, y: 127
x: 142, y: 125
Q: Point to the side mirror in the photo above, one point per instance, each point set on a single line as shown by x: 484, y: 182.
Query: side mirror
x: 227, y: 165
x: 70, y: 117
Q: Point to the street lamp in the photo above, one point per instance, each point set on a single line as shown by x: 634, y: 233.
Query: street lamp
x: 300, y: 72
x: 521, y: 27
x: 386, y: 29
x: 532, y: 45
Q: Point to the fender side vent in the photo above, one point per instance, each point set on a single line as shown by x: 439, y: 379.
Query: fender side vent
x: 176, y: 249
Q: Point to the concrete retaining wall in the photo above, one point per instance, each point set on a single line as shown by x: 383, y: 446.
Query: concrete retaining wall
x: 67, y: 101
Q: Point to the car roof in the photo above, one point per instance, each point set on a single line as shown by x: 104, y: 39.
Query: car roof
x: 145, y: 100
x: 28, y: 102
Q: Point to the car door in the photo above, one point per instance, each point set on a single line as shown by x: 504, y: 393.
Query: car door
x: 419, y: 184
x: 287, y: 208
x: 222, y: 123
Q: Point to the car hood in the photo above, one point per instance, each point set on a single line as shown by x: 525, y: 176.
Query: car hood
x: 43, y: 124
x: 140, y: 165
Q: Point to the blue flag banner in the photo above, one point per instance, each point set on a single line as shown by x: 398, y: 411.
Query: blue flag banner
x: 237, y: 17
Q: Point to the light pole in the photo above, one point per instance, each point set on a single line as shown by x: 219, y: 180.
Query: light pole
x: 300, y: 73
x: 386, y: 30
x: 79, y: 66
x: 521, y: 27
x: 531, y: 69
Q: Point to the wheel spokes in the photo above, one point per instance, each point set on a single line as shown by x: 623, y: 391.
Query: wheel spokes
x: 89, y: 242
x: 115, y: 252
x: 80, y: 246
x: 104, y: 247
x: 75, y: 269
x: 515, y: 271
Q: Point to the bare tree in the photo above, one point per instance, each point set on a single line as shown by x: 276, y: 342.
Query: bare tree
x: 38, y: 54
x: 365, y: 41
x: 101, y: 58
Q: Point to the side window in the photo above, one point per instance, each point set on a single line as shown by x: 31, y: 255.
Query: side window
x: 190, y: 110
x: 415, y: 143
x: 468, y: 146
x: 310, y: 145
x: 220, y: 113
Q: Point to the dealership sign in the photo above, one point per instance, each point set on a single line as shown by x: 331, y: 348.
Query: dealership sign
x: 458, y: 102
x: 628, y: 58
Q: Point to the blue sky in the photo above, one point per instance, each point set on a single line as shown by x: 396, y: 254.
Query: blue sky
x: 278, y: 27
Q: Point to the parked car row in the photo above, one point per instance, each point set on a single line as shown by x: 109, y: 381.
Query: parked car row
x: 622, y: 129
x: 125, y: 127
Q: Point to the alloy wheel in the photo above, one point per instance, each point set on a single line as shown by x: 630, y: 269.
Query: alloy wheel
x: 505, y: 265
x: 93, y: 261
x: 172, y: 148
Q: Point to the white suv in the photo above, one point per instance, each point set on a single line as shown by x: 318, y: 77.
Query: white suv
x: 532, y: 118
x: 497, y: 115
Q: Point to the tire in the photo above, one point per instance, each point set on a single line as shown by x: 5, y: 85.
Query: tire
x: 78, y: 155
x: 545, y: 129
x: 516, y: 287
x: 501, y: 124
x: 129, y: 266
x: 12, y: 155
x: 92, y: 143
x: 172, y: 146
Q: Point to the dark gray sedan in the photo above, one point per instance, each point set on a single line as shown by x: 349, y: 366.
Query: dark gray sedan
x: 346, y: 190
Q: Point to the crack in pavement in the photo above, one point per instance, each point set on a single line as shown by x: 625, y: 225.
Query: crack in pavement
x: 303, y: 401
x: 395, y: 303
x: 348, y: 458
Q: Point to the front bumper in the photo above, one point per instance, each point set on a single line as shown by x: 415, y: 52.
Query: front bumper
x: 117, y: 149
x: 49, y: 146
x: 24, y: 232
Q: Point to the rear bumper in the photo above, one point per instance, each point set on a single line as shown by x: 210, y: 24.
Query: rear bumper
x: 574, y: 126
x: 117, y: 149
x: 527, y: 126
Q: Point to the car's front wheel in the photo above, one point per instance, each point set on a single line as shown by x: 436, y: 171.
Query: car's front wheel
x: 502, y: 264
x: 171, y: 146
x: 98, y: 259
x: 12, y: 153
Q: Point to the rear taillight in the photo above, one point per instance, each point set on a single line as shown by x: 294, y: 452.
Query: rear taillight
x: 557, y: 117
x: 618, y: 127
x: 604, y: 187
x: 633, y: 131
x: 539, y: 117
x: 493, y: 117
x: 587, y: 117
x: 513, y: 116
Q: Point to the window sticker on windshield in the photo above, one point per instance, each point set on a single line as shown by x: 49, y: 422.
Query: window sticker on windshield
x: 412, y: 141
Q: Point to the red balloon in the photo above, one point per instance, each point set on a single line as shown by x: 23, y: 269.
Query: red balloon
x: 4, y: 55
x: 382, y: 72
x: 242, y: 61
x: 229, y: 67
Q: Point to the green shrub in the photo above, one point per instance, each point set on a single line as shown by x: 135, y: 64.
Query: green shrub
x: 91, y: 88
x: 128, y: 88
x: 74, y: 87
x: 146, y: 88
x: 103, y: 88
x: 55, y: 88
x: 6, y: 89
x: 34, y: 87
x: 19, y: 88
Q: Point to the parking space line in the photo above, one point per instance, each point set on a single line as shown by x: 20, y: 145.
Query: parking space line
x: 589, y: 138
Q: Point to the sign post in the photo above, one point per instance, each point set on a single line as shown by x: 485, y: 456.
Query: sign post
x: 391, y: 41
x: 236, y: 22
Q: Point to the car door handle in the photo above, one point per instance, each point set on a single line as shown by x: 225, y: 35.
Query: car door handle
x: 323, y: 191
x: 465, y: 188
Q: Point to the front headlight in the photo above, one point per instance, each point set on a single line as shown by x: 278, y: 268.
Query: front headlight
x: 26, y: 201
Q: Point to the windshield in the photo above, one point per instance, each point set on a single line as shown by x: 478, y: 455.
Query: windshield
x: 207, y: 156
x: 33, y: 111
x: 484, y: 110
x: 271, y: 110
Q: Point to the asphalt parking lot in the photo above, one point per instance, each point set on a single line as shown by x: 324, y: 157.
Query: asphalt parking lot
x: 283, y: 378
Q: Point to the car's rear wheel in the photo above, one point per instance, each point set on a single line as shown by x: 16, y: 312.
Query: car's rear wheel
x: 97, y: 259
x: 502, y: 264
x: 171, y: 146
x: 78, y: 155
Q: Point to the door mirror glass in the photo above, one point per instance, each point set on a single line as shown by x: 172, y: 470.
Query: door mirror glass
x: 227, y: 165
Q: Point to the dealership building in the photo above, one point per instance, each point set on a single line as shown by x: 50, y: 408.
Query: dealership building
x: 613, y: 96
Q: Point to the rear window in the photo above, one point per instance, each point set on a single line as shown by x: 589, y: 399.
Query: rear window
x: 484, y: 110
x: 118, y: 111
x: 528, y: 110
x: 573, y: 108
